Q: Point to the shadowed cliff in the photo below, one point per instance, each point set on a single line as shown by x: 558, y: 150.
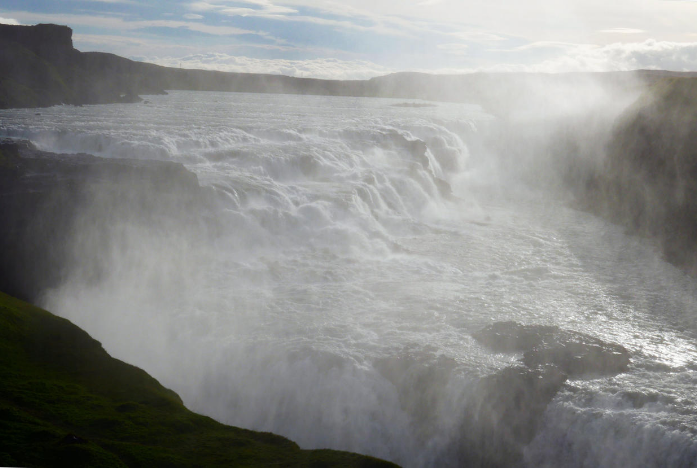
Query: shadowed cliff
x: 649, y: 180
x: 47, y: 200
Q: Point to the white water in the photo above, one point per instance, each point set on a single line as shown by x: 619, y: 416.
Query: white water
x: 334, y: 302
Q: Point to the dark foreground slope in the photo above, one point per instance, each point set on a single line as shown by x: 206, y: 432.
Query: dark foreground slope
x: 65, y: 402
x: 649, y: 179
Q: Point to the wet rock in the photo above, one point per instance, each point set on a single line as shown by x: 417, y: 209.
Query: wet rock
x: 49, y: 201
x: 639, y: 399
x: 421, y: 379
x: 511, y: 337
x: 581, y: 356
x: 576, y: 354
x: 129, y: 98
x: 505, y: 413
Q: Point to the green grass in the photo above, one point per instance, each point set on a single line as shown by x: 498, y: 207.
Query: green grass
x: 65, y: 402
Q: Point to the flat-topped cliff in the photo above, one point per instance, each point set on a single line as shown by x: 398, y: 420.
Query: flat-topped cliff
x: 44, y: 40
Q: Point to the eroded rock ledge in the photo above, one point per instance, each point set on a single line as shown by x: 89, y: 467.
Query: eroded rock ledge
x: 507, y: 407
x: 576, y: 354
x: 45, y: 199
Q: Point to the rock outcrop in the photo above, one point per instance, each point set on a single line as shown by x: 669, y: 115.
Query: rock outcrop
x: 46, y: 199
x: 575, y: 354
x: 39, y: 67
x: 649, y: 179
x: 507, y: 408
x: 504, y: 415
x: 45, y: 40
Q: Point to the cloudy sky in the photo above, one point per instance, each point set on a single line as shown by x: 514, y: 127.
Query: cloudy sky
x: 364, y: 38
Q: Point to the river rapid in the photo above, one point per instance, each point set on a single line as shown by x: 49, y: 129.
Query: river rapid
x: 357, y: 245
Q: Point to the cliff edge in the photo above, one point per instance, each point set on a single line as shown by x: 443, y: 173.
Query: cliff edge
x: 39, y: 68
x: 649, y: 179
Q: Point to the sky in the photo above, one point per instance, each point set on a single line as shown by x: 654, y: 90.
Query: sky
x: 359, y: 39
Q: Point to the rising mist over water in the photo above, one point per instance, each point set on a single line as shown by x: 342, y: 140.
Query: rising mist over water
x: 348, y: 250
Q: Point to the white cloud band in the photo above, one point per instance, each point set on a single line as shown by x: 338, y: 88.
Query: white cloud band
x: 331, y: 69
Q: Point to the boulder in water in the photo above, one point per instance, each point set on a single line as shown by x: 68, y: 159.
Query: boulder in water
x: 511, y: 337
x: 576, y: 354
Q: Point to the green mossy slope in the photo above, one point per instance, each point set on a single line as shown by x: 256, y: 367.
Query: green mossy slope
x: 65, y: 402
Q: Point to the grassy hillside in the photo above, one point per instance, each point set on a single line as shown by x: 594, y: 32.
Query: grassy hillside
x: 65, y: 402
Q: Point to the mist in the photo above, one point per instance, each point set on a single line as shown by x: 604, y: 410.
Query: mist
x: 325, y: 277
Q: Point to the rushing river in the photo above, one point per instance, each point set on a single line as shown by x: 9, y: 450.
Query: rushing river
x: 358, y: 245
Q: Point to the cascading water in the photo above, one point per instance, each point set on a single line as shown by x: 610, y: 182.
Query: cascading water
x: 353, y: 248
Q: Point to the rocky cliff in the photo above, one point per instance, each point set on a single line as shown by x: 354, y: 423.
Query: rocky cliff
x: 47, y: 201
x: 648, y: 182
x: 39, y: 67
x: 44, y: 40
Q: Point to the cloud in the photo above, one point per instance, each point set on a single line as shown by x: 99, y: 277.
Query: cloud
x: 650, y: 54
x: 477, y: 36
x: 193, y: 16
x: 453, y: 48
x: 120, y: 24
x: 647, y: 55
x: 130, y: 2
x: 330, y: 14
x: 8, y: 21
x: 623, y: 31
x: 313, y: 68
x: 262, y: 8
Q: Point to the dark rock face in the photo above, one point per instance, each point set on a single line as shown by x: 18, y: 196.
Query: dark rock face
x: 649, y: 179
x: 39, y: 67
x: 507, y: 408
x: 45, y: 40
x: 576, y: 354
x: 581, y: 356
x: 421, y: 380
x: 504, y: 415
x: 47, y: 200
x: 512, y: 337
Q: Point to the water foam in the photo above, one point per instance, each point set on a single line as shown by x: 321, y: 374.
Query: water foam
x: 353, y: 249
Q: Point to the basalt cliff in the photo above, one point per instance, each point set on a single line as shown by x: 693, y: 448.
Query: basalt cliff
x: 648, y: 180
